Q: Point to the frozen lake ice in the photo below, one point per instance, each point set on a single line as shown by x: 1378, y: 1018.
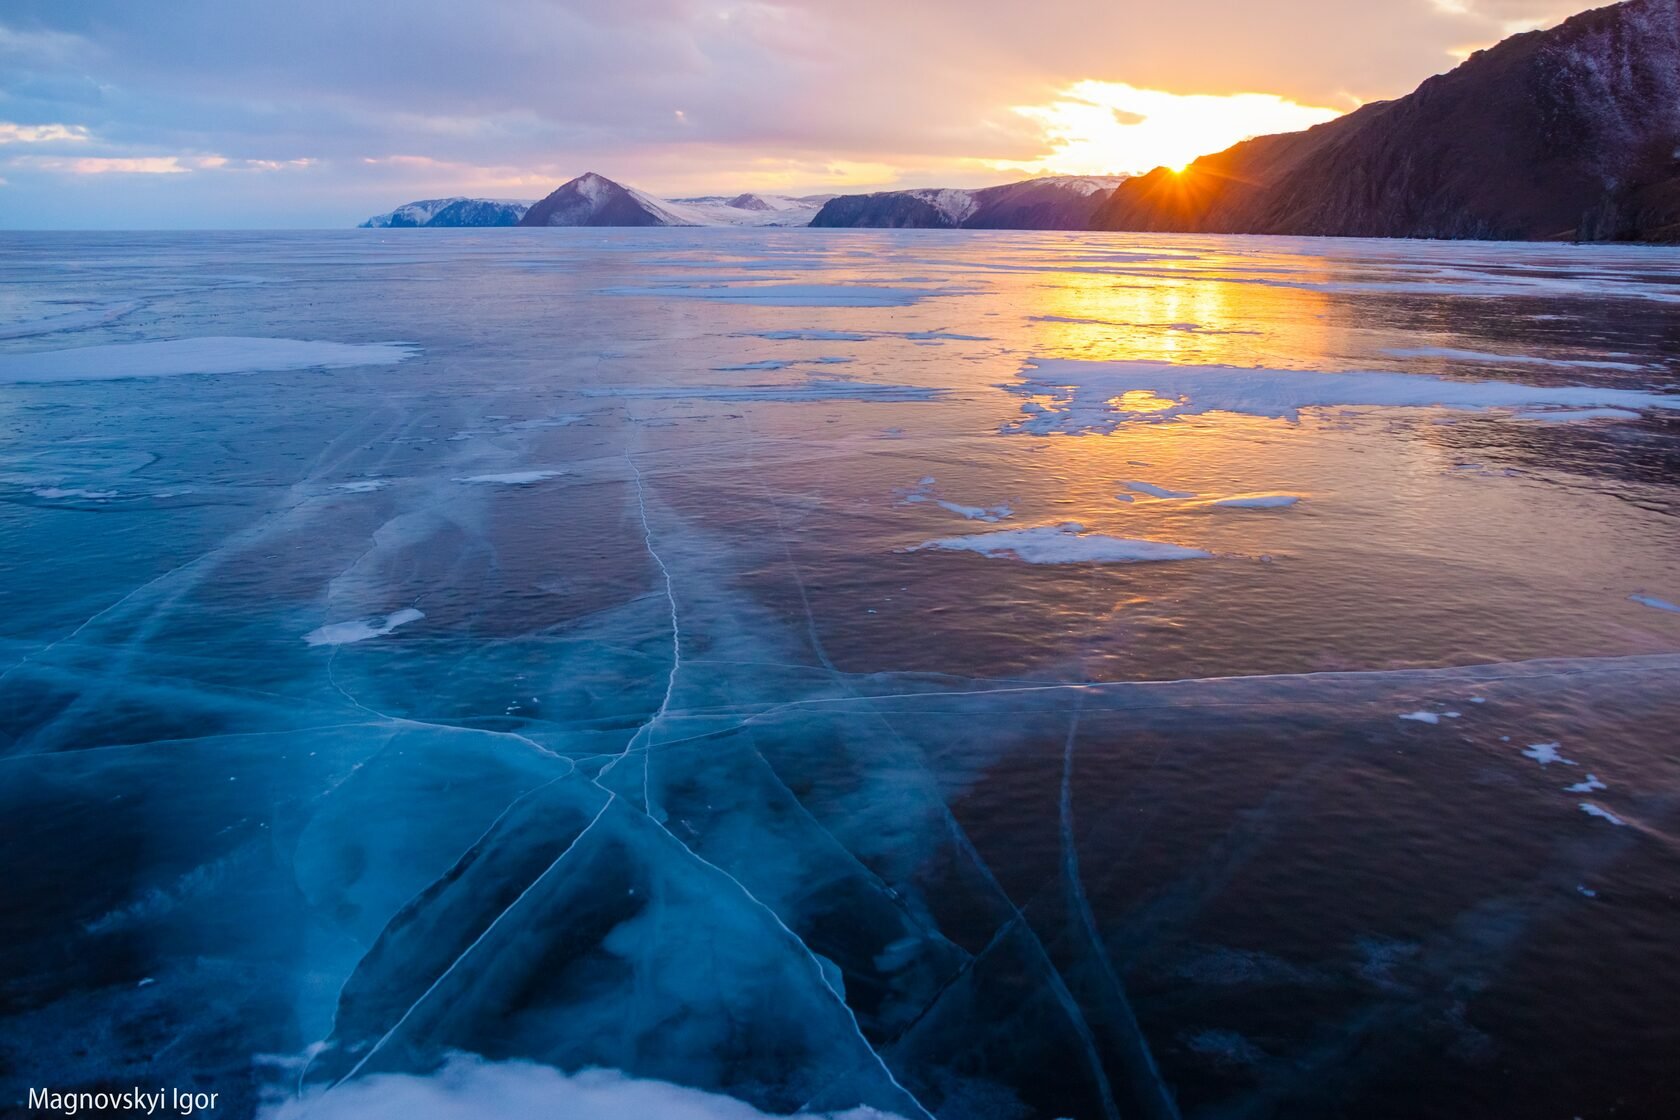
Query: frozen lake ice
x: 972, y: 675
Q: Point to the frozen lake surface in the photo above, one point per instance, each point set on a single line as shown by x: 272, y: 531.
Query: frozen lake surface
x: 952, y: 674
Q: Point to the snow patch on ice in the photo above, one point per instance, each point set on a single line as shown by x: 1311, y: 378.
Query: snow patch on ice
x: 53, y: 493
x: 923, y: 491
x: 1253, y: 501
x: 1601, y: 812
x: 977, y: 513
x: 183, y: 356
x: 1451, y: 354
x: 1546, y: 754
x: 1154, y: 491
x: 1653, y: 601
x: 1070, y: 397
x: 1590, y: 785
x: 1422, y: 717
x: 361, y: 629
x: 362, y: 485
x: 469, y: 1088
x: 512, y: 478
x: 1067, y: 543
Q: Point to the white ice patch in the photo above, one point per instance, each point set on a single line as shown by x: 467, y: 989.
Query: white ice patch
x: 361, y: 485
x: 1601, y: 812
x: 1653, y: 601
x: 1154, y: 491
x: 470, y: 1088
x: 1546, y: 754
x: 1072, y: 397
x: 183, y: 356
x: 511, y: 478
x: 1591, y: 785
x: 361, y: 629
x: 1421, y: 717
x: 1067, y: 543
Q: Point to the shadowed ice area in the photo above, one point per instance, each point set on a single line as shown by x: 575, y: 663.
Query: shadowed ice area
x: 722, y: 673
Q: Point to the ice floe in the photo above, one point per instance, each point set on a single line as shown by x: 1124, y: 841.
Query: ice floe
x: 177, y: 357
x: 361, y: 629
x: 1070, y: 397
x: 1066, y: 543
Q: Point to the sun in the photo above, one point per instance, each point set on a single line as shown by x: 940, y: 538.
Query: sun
x: 1098, y: 128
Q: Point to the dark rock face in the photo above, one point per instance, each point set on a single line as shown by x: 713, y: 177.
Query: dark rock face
x: 594, y: 200
x: 1572, y: 133
x: 450, y: 212
x: 1063, y: 202
x: 748, y: 202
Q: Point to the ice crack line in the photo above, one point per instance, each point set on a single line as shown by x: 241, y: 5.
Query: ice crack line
x: 645, y: 731
x: 465, y: 953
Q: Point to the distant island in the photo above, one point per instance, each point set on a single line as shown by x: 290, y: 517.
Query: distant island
x: 1571, y: 134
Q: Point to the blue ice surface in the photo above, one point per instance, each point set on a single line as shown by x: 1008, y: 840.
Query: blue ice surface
x: 515, y: 696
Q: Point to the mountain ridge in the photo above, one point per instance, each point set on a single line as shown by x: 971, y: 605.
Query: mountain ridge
x: 1567, y: 134
x: 1049, y: 202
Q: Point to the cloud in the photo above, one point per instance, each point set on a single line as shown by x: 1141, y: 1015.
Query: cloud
x: 1107, y: 127
x: 677, y: 96
x: 105, y: 165
x: 11, y: 133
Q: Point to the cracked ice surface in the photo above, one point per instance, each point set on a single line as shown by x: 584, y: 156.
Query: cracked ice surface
x: 688, y: 742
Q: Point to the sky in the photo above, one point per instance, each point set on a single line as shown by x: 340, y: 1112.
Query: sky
x: 119, y: 114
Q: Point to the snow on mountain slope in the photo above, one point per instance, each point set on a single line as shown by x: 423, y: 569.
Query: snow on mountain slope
x: 750, y: 209
x: 457, y: 211
x: 1053, y: 202
x: 595, y: 200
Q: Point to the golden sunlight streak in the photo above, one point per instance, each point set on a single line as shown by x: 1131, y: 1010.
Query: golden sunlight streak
x: 1102, y: 128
